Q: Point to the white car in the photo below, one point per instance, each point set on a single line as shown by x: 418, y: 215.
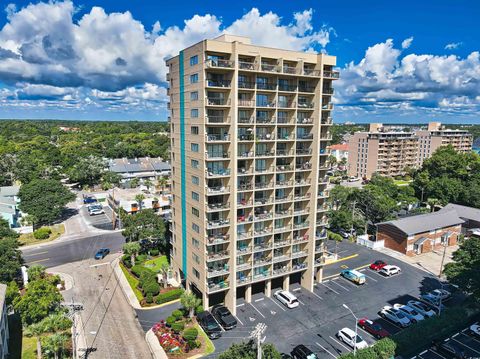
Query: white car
x: 475, y: 329
x: 347, y: 336
x: 395, y: 316
x: 95, y: 209
x: 411, y: 313
x: 441, y: 294
x: 286, y: 298
x: 390, y: 270
x: 422, y: 308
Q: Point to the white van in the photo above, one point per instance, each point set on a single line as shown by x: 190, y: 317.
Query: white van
x: 286, y: 298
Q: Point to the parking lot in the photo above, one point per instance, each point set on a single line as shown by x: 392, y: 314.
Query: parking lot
x: 99, y: 221
x: 464, y: 339
x: 321, y: 315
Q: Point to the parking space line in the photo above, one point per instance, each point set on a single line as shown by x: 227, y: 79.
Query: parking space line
x: 302, y: 303
x: 438, y: 354
x: 259, y: 312
x: 335, y: 282
x: 297, y: 289
x: 375, y: 280
x: 337, y: 341
x: 351, y: 283
x: 278, y: 305
x: 321, y: 346
x: 363, y: 330
x: 240, y: 305
x: 316, y: 295
x: 465, y: 345
x: 99, y: 264
x: 238, y: 319
x: 333, y: 290
x: 259, y: 300
x: 453, y: 336
x: 471, y: 337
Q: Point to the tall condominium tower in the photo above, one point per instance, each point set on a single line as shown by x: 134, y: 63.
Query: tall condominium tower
x: 250, y: 127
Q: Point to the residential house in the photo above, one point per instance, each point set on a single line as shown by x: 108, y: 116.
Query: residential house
x: 142, y: 168
x: 126, y: 199
x: 421, y: 234
x: 470, y: 215
x: 9, y: 205
x: 339, y: 151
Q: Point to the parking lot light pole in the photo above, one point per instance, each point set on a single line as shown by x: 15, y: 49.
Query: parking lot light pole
x: 356, y: 330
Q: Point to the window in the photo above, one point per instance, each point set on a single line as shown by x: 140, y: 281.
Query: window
x: 194, y: 112
x: 195, y: 212
x: 194, y: 130
x: 195, y: 196
x: 193, y: 60
x: 194, y: 163
x: 195, y: 242
x: 193, y: 78
x: 195, y: 180
x: 196, y: 258
x: 195, y: 228
x: 194, y: 147
x: 196, y: 273
x: 194, y: 96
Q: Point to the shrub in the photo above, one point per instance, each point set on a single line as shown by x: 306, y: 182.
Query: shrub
x: 199, y: 309
x: 150, y: 287
x: 178, y: 314
x: 190, y: 335
x: 169, y: 296
x: 127, y: 261
x: 154, y: 252
x: 42, y: 233
x: 383, y: 349
x: 149, y: 298
x: 178, y: 327
x: 137, y: 270
x: 170, y: 320
x: 141, y: 258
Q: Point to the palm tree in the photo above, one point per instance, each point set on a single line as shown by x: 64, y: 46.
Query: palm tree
x: 148, y: 183
x: 36, y: 330
x: 332, y: 160
x: 162, y: 182
x: 164, y: 268
x: 139, y: 198
x: 335, y: 237
x: 56, y: 343
x: 432, y: 202
x: 190, y: 302
x: 131, y: 249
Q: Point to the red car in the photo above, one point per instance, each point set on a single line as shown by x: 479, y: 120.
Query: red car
x: 373, y: 328
x: 377, y: 265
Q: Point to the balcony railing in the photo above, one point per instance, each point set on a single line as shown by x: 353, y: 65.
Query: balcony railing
x: 244, y: 235
x: 244, y: 266
x: 261, y: 185
x: 309, y: 89
x: 245, y: 120
x: 246, y: 154
x: 283, y: 120
x: 305, y: 121
x: 303, y: 166
x: 269, y: 67
x: 299, y: 266
x: 331, y: 74
x: 217, y: 206
x: 218, y: 83
x: 216, y: 272
x: 263, y: 216
x: 244, y: 65
x: 217, y: 137
x: 214, y: 287
x: 284, y: 168
x: 302, y: 182
x: 308, y: 105
x: 246, y: 137
x: 217, y: 119
x: 283, y: 229
x: 217, y: 101
x: 217, y: 155
x: 282, y: 270
x: 303, y: 151
x: 327, y: 90
x: 327, y: 107
x: 263, y: 231
x: 265, y: 137
x: 287, y: 104
x: 287, y: 87
x: 266, y: 104
x: 244, y: 219
x: 246, y: 84
x: 218, y: 223
x: 217, y: 239
x: 283, y: 183
x: 265, y: 120
x: 244, y: 203
x: 263, y: 201
x: 217, y: 256
x: 280, y: 258
x: 299, y: 239
x: 283, y: 198
x: 261, y: 261
x: 218, y: 172
x: 262, y: 275
x: 286, y: 136
x: 246, y: 103
x: 289, y: 69
x: 278, y: 244
x: 311, y: 72
x: 266, y: 86
x: 301, y: 225
x: 261, y: 247
x: 284, y: 153
x: 305, y: 136
x: 245, y: 186
x: 299, y: 254
x: 220, y: 63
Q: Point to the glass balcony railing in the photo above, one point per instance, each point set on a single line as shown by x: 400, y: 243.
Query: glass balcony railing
x: 218, y: 83
x: 220, y: 63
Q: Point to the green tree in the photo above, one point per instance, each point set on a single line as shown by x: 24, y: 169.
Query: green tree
x: 110, y: 179
x: 131, y: 249
x: 6, y: 231
x: 134, y: 182
x: 248, y: 350
x: 334, y: 237
x: 36, y: 330
x: 40, y: 299
x: 12, y: 293
x: 139, y: 198
x: 56, y: 344
x: 189, y: 302
x: 44, y: 199
x: 87, y: 171
x: 148, y: 183
x: 36, y: 272
x: 433, y: 202
x: 464, y: 270
x: 162, y: 183
x: 10, y: 259
x: 164, y: 268
x: 145, y: 224
x: 56, y: 322
x: 332, y: 160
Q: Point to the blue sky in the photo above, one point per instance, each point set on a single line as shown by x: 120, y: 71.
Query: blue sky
x: 412, y: 62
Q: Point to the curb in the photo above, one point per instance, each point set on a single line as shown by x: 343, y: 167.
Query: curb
x: 153, y: 344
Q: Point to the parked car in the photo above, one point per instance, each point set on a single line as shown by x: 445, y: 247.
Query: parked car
x: 224, y: 317
x: 449, y: 348
x: 395, y: 316
x: 302, y: 352
x: 102, y: 253
x: 422, y: 308
x: 441, y: 293
x: 348, y: 336
x: 89, y: 199
x: 411, y: 313
x: 285, y: 356
x: 389, y: 270
x: 353, y: 179
x: 286, y: 298
x: 353, y: 276
x: 95, y: 209
x: 475, y: 330
x: 377, y: 265
x: 373, y: 328
x: 344, y: 233
x: 432, y: 301
x: 209, y: 325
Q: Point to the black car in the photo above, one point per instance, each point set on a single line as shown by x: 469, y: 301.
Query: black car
x: 450, y: 349
x: 89, y: 200
x: 224, y: 317
x: 302, y: 352
x: 209, y: 325
x: 285, y: 356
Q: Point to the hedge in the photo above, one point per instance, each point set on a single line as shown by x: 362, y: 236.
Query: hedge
x: 383, y: 349
x: 178, y: 327
x: 169, y: 296
x: 138, y: 269
x: 42, y: 233
x: 178, y: 314
x: 190, y: 334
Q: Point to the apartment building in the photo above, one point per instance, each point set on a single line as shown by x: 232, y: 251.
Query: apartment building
x: 389, y: 151
x: 250, y: 127
x: 381, y: 151
x: 437, y: 135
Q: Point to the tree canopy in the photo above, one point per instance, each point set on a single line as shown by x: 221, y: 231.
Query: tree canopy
x: 248, y: 350
x: 10, y: 259
x: 145, y: 224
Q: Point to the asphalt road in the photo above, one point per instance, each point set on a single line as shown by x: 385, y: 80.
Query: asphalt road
x: 72, y: 250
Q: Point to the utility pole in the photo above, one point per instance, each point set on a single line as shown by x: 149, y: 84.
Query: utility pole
x: 74, y: 308
x: 353, y: 214
x: 256, y: 334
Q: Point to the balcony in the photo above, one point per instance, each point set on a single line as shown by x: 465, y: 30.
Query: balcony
x: 302, y: 182
x: 242, y: 250
x: 218, y: 83
x: 221, y: 120
x: 305, y: 121
x: 218, y: 223
x: 284, y: 269
x: 289, y: 69
x: 322, y: 222
x: 215, y: 207
x: 246, y: 85
x: 304, y: 136
x: 269, y: 67
x: 281, y: 258
x: 218, y: 172
x: 308, y: 89
x: 217, y: 137
x: 243, y: 266
x: 303, y: 151
x: 299, y: 254
x: 244, y: 280
x: 286, y: 136
x: 245, y: 65
x: 265, y: 120
x: 306, y: 105
x: 246, y: 103
x: 261, y: 276
x: 302, y: 196
x: 311, y: 72
x: 246, y: 137
x: 300, y: 239
x: 216, y: 287
x: 297, y: 211
x: 284, y: 153
x: 268, y: 104
x: 217, y: 101
x: 331, y: 74
x: 217, y: 239
x: 211, y: 257
x: 263, y: 232
x: 244, y: 203
x: 262, y: 247
x: 327, y: 107
x: 217, y: 155
x: 326, y: 121
x: 263, y: 216
x: 217, y: 190
x: 323, y: 194
x: 244, y: 219
x: 245, y: 120
x: 287, y: 87
x: 262, y: 185
x: 266, y: 86
x: 261, y: 261
x: 244, y: 235
x: 284, y: 120
x: 283, y: 199
x: 246, y: 154
x: 299, y: 266
x: 245, y: 187
x: 283, y: 183
x: 321, y: 235
x: 301, y: 225
x: 220, y: 63
x: 279, y: 244
x: 327, y: 91
x: 306, y: 166
x: 217, y: 272
x: 284, y: 168
x: 264, y: 169
x: 287, y: 104
x: 265, y: 153
x: 282, y: 229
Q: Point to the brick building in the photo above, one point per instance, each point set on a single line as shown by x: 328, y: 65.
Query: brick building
x: 421, y: 234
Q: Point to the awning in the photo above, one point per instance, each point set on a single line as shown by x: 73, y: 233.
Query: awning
x: 420, y: 241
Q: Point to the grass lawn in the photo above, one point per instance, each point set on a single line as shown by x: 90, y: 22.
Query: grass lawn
x: 132, y: 281
x: 155, y: 264
x: 402, y: 182
x: 28, y: 238
x: 209, y: 347
x: 29, y: 348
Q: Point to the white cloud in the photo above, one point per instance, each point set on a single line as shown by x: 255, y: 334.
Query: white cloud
x: 453, y: 45
x: 407, y: 42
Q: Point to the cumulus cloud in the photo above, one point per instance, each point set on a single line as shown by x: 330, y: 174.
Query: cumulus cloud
x: 407, y: 42
x: 453, y: 46
x: 386, y: 78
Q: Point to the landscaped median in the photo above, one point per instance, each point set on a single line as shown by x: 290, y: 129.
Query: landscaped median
x: 143, y: 281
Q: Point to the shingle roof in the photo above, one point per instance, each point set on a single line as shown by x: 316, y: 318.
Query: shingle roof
x: 9, y: 191
x: 465, y: 212
x: 426, y: 222
x: 132, y: 165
